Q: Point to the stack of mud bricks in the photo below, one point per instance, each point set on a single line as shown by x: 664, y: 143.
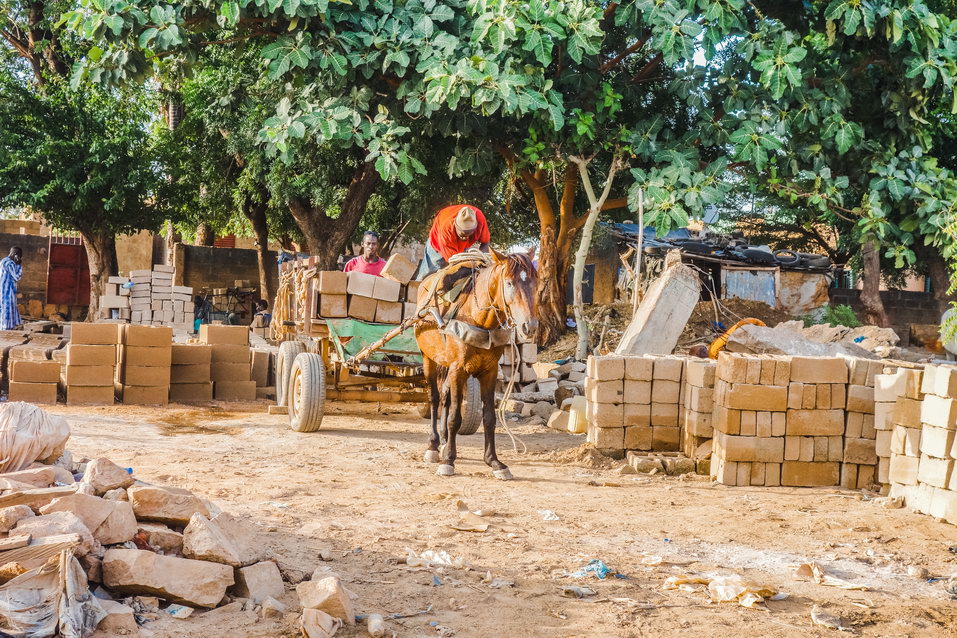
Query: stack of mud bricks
x: 190, y: 373
x: 34, y: 381
x: 898, y: 400
x: 230, y: 362
x: 516, y: 366
x: 860, y: 461
x: 88, y: 374
x: 697, y: 409
x: 779, y: 420
x: 633, y: 402
x: 928, y: 483
x: 154, y: 300
x: 115, y: 300
x: 386, y: 299
x: 143, y: 364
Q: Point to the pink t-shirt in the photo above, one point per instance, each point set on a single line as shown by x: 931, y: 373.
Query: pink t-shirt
x: 359, y: 264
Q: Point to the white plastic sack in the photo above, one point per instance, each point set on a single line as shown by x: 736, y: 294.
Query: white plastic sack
x: 53, y: 600
x: 29, y: 434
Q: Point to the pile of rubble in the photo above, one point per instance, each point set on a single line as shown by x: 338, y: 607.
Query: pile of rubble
x: 84, y: 545
x: 553, y: 385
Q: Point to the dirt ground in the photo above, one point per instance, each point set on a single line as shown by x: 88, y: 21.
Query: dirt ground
x: 360, y: 489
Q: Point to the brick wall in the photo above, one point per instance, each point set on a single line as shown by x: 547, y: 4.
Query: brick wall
x: 213, y: 267
x: 903, y: 307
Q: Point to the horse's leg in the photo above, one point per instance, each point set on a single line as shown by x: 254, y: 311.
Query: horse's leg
x: 456, y: 384
x: 444, y: 415
x: 487, y: 383
x: 431, y: 370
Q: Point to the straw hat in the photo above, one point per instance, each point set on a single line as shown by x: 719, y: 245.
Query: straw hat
x: 465, y: 221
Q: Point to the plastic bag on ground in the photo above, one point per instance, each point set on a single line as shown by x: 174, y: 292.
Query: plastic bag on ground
x: 53, y: 600
x: 29, y: 434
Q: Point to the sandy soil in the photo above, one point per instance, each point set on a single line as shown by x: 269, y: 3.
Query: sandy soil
x: 359, y: 488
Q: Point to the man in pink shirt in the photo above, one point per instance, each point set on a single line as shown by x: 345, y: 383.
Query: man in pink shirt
x: 369, y: 261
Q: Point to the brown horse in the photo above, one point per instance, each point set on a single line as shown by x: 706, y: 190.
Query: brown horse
x: 495, y: 299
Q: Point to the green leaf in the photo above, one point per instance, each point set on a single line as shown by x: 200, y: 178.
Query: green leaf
x: 423, y: 27
x: 146, y: 37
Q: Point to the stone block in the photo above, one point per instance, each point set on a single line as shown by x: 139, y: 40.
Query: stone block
x: 883, y: 416
x: 815, y: 422
x: 638, y: 368
x: 935, y: 472
x: 53, y: 524
x: 778, y: 423
x: 937, y: 442
x: 835, y: 448
x: 860, y: 451
x: 92, y: 510
x: 558, y: 420
x: 668, y: 369
x: 854, y: 425
x: 699, y: 372
x: 179, y: 580
x: 754, y: 371
x: 819, y: 370
x: 750, y: 448
x: 119, y: 619
x: 607, y: 438
x: 939, y: 411
x: 105, y: 475
x: 823, y: 398
x: 162, y: 537
x: 638, y: 437
x: 698, y: 423
x: 317, y: 624
x: 664, y: 414
x: 821, y: 449
x: 606, y: 368
x: 259, y: 582
x: 119, y: 527
x: 10, y: 516
x: 605, y: 415
x: 749, y: 423
x: 732, y: 368
x: 699, y: 399
x: 903, y: 470
x: 763, y: 424
x: 798, y: 474
x: 883, y: 444
x: 165, y: 504
x: 665, y: 438
x: 757, y: 397
x: 636, y: 414
x: 905, y: 441
x: 666, y: 391
x: 604, y: 391
x: 907, y: 412
x: 727, y: 420
x: 782, y: 376
x: 328, y: 595
x: 638, y: 392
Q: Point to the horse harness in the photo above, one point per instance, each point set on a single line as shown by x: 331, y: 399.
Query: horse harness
x: 450, y: 326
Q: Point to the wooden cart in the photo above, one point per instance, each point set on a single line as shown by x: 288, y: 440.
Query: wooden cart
x: 353, y: 360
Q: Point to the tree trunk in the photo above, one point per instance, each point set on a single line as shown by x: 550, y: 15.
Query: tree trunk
x: 101, y: 256
x: 172, y: 238
x: 327, y: 236
x: 939, y: 273
x: 873, y: 312
x: 205, y: 235
x: 256, y: 213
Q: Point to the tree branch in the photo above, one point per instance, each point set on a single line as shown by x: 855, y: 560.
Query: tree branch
x: 612, y: 63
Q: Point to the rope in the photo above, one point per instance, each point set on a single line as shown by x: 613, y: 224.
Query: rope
x: 500, y: 412
x: 280, y: 313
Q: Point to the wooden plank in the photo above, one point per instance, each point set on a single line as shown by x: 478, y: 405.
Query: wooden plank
x: 14, y: 542
x: 36, y: 498
x: 376, y: 396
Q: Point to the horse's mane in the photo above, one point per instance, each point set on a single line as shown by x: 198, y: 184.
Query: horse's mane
x: 517, y: 262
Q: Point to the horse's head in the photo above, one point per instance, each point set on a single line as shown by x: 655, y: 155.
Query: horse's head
x: 519, y: 281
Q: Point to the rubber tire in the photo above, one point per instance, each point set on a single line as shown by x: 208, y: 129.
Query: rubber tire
x: 787, y: 257
x: 288, y: 351
x: 306, y: 406
x: 471, y: 407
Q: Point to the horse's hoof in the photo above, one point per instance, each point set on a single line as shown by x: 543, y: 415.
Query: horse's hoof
x: 503, y: 474
x: 445, y: 470
x: 431, y: 456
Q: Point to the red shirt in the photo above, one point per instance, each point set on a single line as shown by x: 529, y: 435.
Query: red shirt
x: 359, y: 264
x: 445, y: 239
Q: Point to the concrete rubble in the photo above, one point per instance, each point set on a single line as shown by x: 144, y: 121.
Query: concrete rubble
x: 142, y: 551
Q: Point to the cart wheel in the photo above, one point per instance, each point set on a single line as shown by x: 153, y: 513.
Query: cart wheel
x: 307, y: 392
x: 288, y: 350
x: 471, y: 407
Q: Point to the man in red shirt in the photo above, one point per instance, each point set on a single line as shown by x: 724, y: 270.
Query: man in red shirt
x: 455, y: 229
x: 369, y: 261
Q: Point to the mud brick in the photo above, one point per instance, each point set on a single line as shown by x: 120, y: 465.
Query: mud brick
x: 636, y: 391
x: 608, y: 438
x: 724, y: 472
x: 792, y: 448
x: 757, y: 473
x: 605, y: 415
x: 637, y: 414
x: 665, y: 438
x: 823, y: 398
x: 757, y: 397
x: 883, y: 443
x: 698, y: 372
x: 727, y: 420
x: 860, y: 451
x: 332, y: 282
x: 815, y: 422
x: 732, y: 368
x: 772, y: 474
x: 744, y: 474
x: 639, y: 368
x: 854, y: 426
x: 883, y: 416
x: 778, y: 424
x: 668, y: 368
x: 807, y: 449
x: 333, y: 305
x: 638, y: 437
x: 797, y: 474
x: 361, y: 307
x: 32, y: 392
x: 818, y: 370
x: 903, y: 383
x: 604, y: 391
x: 937, y: 442
x: 754, y: 371
x: 782, y: 373
x: 820, y: 448
x: 860, y: 398
x: 699, y: 423
x: 940, y: 380
x: 763, y: 424
x: 700, y: 399
x: 867, y: 430
x: 767, y: 371
x: 749, y: 423
x: 884, y: 470
x: 795, y: 395
x: 809, y: 402
x: 907, y: 412
x: 866, y: 476
x: 857, y: 371
x: 606, y: 368
x: 37, y: 371
x: 838, y: 395
x: 936, y: 472
x: 664, y: 414
x: 939, y: 411
x: 664, y: 391
x: 835, y: 448
x: 849, y: 476
x: 905, y: 441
